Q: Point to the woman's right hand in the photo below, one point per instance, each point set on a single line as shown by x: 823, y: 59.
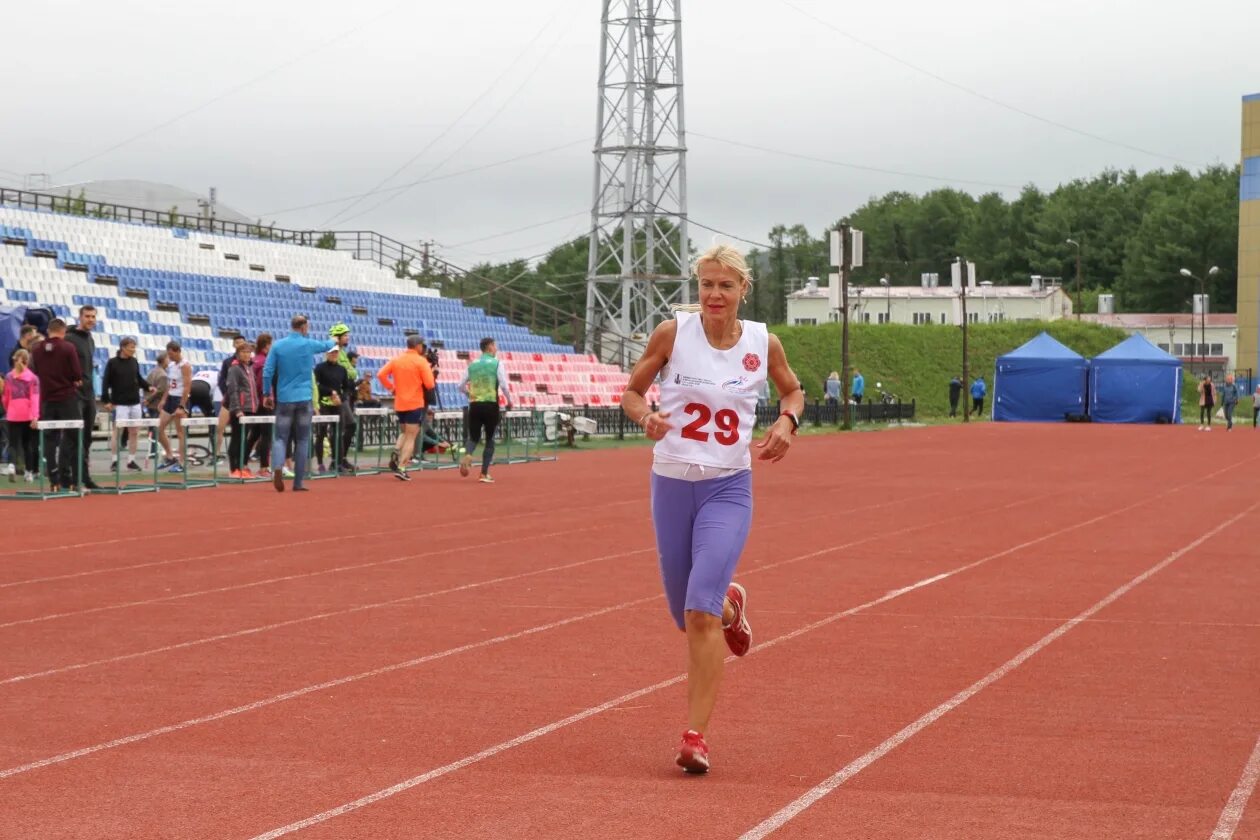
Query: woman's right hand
x: 655, y: 424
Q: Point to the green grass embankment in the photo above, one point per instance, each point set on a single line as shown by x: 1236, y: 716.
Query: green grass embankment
x: 918, y: 362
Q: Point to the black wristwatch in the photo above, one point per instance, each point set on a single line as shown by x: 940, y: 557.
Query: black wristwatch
x: 796, y: 423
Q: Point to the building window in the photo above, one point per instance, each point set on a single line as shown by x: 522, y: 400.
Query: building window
x: 996, y: 317
x: 1178, y: 349
x: 942, y: 317
x: 1163, y: 347
x: 866, y: 317
x: 1217, y: 350
x: 881, y: 317
x: 1203, y: 350
x: 806, y: 322
x: 923, y: 317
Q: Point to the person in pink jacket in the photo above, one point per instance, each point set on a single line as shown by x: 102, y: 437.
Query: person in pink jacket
x: 21, y: 409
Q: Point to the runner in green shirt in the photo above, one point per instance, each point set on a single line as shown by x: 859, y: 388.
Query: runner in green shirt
x: 485, y: 381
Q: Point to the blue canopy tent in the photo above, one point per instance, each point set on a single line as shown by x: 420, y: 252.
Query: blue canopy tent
x: 1041, y: 381
x: 1135, y: 382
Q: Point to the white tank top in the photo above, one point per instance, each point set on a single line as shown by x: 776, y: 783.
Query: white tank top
x: 175, y: 373
x: 711, y: 396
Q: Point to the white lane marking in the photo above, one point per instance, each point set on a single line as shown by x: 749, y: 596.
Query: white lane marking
x: 298, y: 576
x: 492, y: 751
x: 1232, y: 814
x: 285, y: 546
x: 816, y: 793
x: 289, y: 695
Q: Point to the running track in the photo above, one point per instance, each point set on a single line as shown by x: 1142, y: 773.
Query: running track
x: 971, y: 632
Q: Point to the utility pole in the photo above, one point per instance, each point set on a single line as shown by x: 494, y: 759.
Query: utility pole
x: 960, y: 266
x: 846, y: 254
x: 1077, y: 245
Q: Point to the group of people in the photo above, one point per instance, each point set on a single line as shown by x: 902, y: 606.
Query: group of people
x: 1226, y: 396
x: 51, y: 378
x: 979, y: 390
x: 833, y: 386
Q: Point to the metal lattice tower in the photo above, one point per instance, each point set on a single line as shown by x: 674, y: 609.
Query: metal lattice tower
x: 639, y: 259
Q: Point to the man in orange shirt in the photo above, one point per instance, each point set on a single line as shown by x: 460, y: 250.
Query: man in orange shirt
x: 406, y: 377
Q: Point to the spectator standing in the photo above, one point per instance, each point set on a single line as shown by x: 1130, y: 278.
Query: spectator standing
x: 332, y: 385
x: 407, y: 376
x: 955, y: 393
x: 978, y: 390
x: 1207, y: 402
x: 21, y: 408
x: 56, y: 363
x: 485, y: 381
x: 1229, y: 400
x: 287, y: 378
x: 27, y: 337
x: 220, y: 388
x: 831, y: 388
x: 179, y: 379
x: 121, y: 390
x: 1255, y: 407
x: 158, y: 384
x: 81, y: 338
x: 260, y: 434
x: 859, y: 386
x: 340, y: 333
x: 241, y: 398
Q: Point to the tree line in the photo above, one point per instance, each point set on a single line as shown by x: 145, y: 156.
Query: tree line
x: 1136, y: 233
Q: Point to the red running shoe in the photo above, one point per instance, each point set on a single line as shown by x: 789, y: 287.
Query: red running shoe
x: 739, y: 632
x: 693, y: 755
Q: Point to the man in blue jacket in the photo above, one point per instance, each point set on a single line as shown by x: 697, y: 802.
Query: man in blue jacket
x: 287, y: 377
x: 978, y: 390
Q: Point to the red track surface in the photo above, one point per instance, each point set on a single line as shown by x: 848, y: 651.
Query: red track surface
x: 445, y: 659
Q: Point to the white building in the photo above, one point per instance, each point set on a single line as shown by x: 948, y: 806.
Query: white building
x: 1212, y: 344
x: 931, y: 304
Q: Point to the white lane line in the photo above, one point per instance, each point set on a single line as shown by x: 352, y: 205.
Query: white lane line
x: 299, y: 576
x: 490, y: 752
x: 250, y: 631
x: 285, y: 546
x: 814, y: 794
x: 1231, y: 816
x: 289, y: 695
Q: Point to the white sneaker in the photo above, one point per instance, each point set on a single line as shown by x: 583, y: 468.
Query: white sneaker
x: 30, y: 478
x: 11, y: 469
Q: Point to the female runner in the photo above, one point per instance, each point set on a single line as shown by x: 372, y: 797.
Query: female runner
x: 711, y: 365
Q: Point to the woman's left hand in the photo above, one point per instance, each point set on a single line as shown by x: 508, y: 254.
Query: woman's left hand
x: 774, y: 446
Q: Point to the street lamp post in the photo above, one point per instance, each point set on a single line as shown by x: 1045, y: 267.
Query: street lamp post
x: 883, y: 281
x: 1077, y: 245
x: 1211, y: 272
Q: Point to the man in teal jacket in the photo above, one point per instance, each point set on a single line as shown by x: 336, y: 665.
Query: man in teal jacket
x: 287, y: 378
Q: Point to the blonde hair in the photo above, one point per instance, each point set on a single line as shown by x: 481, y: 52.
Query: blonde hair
x: 21, y: 355
x: 723, y: 255
x: 726, y: 256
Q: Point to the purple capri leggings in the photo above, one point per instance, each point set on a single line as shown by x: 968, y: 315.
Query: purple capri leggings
x: 701, y: 527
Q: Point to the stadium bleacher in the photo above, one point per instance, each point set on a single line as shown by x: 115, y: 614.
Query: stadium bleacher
x: 158, y: 283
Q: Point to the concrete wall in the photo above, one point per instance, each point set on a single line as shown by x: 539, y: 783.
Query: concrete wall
x: 1249, y: 237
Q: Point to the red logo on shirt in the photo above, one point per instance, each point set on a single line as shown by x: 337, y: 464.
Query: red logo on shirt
x: 751, y: 362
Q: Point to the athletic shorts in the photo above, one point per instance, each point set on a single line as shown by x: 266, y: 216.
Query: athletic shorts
x: 172, y: 403
x: 413, y: 417
x: 128, y: 412
x: 202, y: 396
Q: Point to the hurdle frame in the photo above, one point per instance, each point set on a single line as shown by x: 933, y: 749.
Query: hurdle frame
x: 44, y: 493
x: 120, y: 488
x: 184, y: 483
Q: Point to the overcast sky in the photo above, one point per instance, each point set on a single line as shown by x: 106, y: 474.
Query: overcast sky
x: 350, y: 92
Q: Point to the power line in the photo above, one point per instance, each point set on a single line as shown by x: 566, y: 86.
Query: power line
x: 236, y: 88
x: 691, y: 221
x: 519, y: 229
x: 848, y: 165
x: 975, y: 93
x: 428, y: 180
x: 476, y: 101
